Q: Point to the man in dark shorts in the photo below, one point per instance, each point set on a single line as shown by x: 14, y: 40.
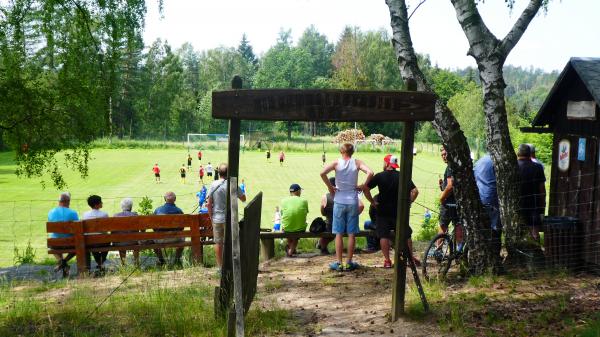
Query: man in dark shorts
x: 533, y: 191
x: 189, y: 162
x: 269, y: 156
x: 327, y: 212
x: 281, y: 158
x: 182, y: 173
x: 387, y: 205
x: 448, y: 205
x: 199, y: 155
x: 156, y: 171
x: 323, y: 158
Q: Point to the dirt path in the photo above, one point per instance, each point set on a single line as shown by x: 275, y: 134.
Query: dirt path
x: 330, y: 303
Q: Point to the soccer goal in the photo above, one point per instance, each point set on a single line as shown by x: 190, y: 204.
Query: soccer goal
x: 209, y: 140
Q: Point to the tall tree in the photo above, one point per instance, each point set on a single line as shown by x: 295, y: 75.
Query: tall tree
x: 285, y: 66
x: 490, y: 53
x: 481, y: 257
x: 55, y: 59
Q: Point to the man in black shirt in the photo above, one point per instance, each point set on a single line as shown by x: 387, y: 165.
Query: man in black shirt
x: 532, y: 201
x: 448, y: 206
x: 387, y: 205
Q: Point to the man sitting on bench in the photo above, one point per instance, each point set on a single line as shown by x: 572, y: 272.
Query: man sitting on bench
x: 168, y: 208
x: 58, y: 214
x: 293, y: 216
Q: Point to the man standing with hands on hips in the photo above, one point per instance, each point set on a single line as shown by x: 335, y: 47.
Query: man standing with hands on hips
x: 345, y: 202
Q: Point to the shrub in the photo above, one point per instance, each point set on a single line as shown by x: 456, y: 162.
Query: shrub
x: 25, y: 256
x: 145, y: 206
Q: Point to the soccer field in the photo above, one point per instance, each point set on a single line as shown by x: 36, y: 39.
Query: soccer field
x: 118, y: 173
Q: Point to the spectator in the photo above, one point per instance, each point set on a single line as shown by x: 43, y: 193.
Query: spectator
x: 168, y: 208
x: 95, y: 203
x: 277, y: 220
x: 386, y: 206
x: 533, y: 157
x: 485, y: 177
x: 448, y: 205
x: 327, y: 212
x: 533, y: 191
x: 293, y: 216
x: 372, y: 240
x: 126, y: 206
x: 217, y: 209
x: 345, y: 202
x: 61, y: 213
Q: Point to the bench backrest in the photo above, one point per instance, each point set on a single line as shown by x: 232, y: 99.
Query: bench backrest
x: 136, y: 228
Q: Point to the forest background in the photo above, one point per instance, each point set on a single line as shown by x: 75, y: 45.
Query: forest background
x: 72, y: 75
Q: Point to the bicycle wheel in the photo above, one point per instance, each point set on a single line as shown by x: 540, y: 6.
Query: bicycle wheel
x: 438, y: 257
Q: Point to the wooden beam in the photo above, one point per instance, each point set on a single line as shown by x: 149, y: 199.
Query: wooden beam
x: 534, y: 129
x: 323, y: 105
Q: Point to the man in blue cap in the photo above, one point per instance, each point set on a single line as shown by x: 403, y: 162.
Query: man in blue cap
x: 293, y: 216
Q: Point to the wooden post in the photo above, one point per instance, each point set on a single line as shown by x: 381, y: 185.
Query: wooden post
x: 399, y: 283
x: 267, y: 248
x: 196, y: 243
x: 236, y: 259
x: 80, y: 250
x: 233, y: 158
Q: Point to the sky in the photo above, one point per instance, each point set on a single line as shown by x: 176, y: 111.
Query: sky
x: 570, y: 28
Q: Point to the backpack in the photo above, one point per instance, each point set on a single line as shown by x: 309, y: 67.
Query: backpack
x: 317, y: 226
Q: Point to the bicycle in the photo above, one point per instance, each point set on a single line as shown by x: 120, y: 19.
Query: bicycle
x: 440, y: 254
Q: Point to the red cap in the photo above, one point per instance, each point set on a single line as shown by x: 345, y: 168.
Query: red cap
x: 392, y: 160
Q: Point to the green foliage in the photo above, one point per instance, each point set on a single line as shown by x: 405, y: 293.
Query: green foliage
x: 467, y: 106
x: 429, y: 227
x: 145, y: 206
x: 25, y: 256
x: 139, y: 310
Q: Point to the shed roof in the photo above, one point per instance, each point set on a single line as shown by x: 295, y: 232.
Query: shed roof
x: 587, y: 69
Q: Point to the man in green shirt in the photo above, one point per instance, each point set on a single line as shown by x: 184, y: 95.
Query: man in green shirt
x: 293, y: 216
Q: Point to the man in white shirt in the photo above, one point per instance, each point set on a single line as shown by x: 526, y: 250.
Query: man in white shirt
x: 217, y: 209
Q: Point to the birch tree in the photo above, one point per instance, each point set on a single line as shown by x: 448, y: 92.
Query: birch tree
x: 490, y: 54
x: 480, y: 255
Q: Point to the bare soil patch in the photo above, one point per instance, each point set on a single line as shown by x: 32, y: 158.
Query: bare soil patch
x: 327, y: 303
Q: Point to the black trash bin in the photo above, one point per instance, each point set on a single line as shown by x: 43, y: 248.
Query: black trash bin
x: 563, y: 242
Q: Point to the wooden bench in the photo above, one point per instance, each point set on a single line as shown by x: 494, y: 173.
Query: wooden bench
x: 88, y: 235
x: 267, y: 239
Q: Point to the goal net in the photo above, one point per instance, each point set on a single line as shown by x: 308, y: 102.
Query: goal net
x: 209, y: 140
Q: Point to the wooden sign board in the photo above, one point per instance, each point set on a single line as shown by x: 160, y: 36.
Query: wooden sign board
x: 581, y: 110
x: 323, y: 105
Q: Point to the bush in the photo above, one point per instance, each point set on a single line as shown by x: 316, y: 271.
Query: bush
x: 26, y: 256
x: 145, y: 206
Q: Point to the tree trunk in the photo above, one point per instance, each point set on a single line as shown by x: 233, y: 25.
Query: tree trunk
x: 289, y: 130
x: 503, y: 154
x: 481, y: 257
x: 490, y: 53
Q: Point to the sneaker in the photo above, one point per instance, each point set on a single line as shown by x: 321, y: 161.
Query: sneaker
x: 387, y: 264
x: 336, y: 266
x: 350, y: 266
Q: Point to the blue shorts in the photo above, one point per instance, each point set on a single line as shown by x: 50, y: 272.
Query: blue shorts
x: 345, y: 219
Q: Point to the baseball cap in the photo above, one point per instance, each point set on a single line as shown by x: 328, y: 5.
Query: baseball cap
x: 295, y: 188
x: 392, y: 160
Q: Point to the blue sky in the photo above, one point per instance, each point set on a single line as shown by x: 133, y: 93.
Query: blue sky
x: 570, y: 27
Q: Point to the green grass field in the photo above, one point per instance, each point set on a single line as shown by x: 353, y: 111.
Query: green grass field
x: 118, y: 173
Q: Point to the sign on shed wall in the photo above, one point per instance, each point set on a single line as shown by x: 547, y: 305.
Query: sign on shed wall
x: 564, y: 154
x: 581, y: 110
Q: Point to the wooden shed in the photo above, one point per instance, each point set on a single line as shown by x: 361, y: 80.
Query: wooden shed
x: 571, y: 114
